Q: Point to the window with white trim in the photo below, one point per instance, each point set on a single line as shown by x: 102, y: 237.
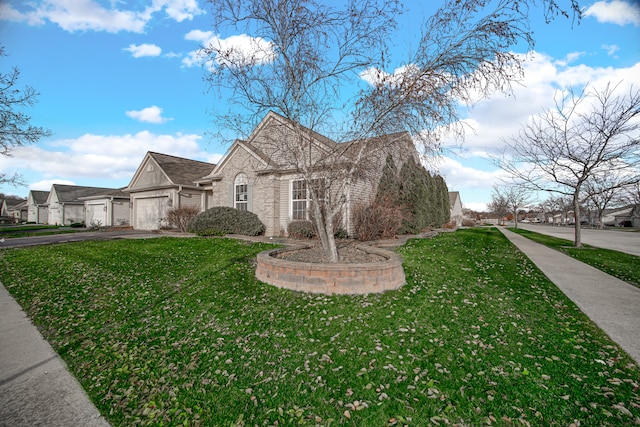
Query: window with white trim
x: 241, y: 193
x: 299, y: 199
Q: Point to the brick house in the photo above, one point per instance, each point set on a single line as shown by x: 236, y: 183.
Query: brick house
x: 258, y: 175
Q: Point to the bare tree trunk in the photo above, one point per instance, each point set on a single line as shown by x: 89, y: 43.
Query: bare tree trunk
x: 326, y: 232
x: 577, y: 242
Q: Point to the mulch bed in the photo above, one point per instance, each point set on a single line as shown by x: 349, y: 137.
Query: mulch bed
x: 347, y: 252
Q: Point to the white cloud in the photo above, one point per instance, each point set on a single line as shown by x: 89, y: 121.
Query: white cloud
x: 611, y: 49
x: 45, y: 184
x: 501, y: 117
x: 615, y: 12
x: 458, y: 175
x: 101, y: 157
x: 234, y: 51
x: 139, y: 51
x: 151, y: 114
x: 89, y: 15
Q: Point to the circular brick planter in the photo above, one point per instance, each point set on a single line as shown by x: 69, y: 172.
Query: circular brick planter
x: 330, y: 278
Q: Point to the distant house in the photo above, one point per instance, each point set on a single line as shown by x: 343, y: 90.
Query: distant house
x: 110, y: 208
x: 626, y: 216
x: 162, y: 182
x: 455, y: 208
x: 17, y: 210
x: 4, y: 211
x: 37, y: 207
x: 65, y: 206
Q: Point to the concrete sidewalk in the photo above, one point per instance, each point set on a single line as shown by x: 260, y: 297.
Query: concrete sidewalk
x: 611, y: 303
x: 36, y: 389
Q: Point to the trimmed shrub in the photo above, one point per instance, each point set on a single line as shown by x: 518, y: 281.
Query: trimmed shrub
x: 301, y: 230
x: 468, y: 223
x: 181, y: 217
x: 222, y: 220
x: 379, y: 220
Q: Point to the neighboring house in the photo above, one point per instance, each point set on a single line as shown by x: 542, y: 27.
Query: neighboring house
x: 162, y: 182
x: 627, y: 216
x: 38, y: 209
x: 111, y: 208
x: 4, y: 209
x: 455, y: 208
x: 258, y: 176
x: 65, y: 206
x: 18, y: 210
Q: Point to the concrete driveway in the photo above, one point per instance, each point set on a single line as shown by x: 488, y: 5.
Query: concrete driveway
x: 19, y: 242
x: 617, y: 240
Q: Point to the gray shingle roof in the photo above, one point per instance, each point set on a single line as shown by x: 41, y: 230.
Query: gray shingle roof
x: 182, y: 171
x: 40, y: 197
x: 71, y: 193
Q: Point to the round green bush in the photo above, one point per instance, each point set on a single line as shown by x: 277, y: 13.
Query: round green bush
x: 222, y: 220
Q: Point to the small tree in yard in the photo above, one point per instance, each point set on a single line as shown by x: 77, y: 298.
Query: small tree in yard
x: 181, y: 217
x: 587, y: 136
x: 307, y: 59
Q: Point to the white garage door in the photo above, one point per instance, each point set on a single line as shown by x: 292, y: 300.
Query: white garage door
x: 97, y: 214
x: 149, y: 211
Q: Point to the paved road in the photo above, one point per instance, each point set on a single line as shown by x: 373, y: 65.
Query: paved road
x: 77, y: 237
x: 617, y: 240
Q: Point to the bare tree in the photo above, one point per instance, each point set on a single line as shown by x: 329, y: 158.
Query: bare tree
x: 512, y: 197
x: 605, y: 190
x: 307, y: 56
x: 592, y: 134
x: 498, y: 206
x: 15, y: 127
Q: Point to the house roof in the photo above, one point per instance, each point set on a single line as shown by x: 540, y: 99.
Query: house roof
x: 112, y: 192
x: 453, y: 196
x: 39, y: 197
x: 21, y: 205
x: 12, y: 203
x: 72, y: 193
x: 342, y: 152
x: 181, y: 171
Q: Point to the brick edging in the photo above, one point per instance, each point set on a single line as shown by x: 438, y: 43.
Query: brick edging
x: 332, y: 278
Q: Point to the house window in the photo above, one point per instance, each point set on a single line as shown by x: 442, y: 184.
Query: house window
x: 241, y: 193
x: 299, y: 199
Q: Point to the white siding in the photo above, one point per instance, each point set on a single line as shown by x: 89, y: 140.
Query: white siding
x: 96, y: 212
x: 148, y: 211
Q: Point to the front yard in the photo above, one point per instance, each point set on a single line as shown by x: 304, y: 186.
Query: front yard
x: 172, y: 331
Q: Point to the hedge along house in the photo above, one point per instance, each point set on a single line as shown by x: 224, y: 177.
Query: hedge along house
x: 65, y: 206
x: 262, y: 174
x: 111, y: 208
x: 38, y: 209
x: 163, y: 182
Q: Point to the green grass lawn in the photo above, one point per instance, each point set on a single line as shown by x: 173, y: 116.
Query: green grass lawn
x: 618, y: 264
x: 173, y: 331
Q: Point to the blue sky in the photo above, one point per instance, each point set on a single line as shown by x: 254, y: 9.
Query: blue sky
x: 120, y: 78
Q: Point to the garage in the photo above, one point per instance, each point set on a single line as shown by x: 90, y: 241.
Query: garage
x: 148, y: 211
x: 96, y: 214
